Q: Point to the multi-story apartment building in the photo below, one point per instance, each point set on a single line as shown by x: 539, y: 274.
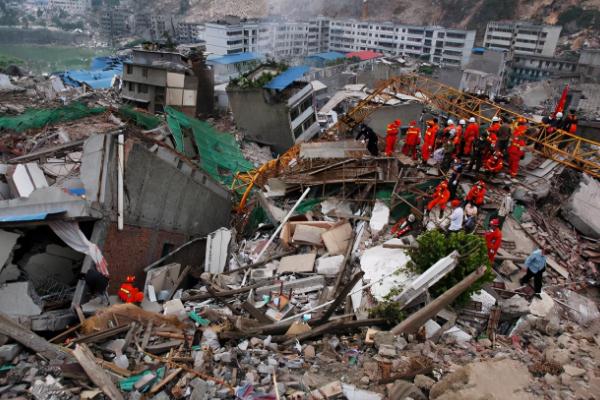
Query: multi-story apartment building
x: 189, y: 32
x: 531, y: 68
x: 155, y: 79
x: 70, y: 6
x: 231, y: 35
x: 114, y: 23
x: 522, y: 37
x: 438, y: 45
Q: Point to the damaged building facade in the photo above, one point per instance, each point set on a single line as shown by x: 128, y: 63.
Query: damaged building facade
x: 279, y: 113
x: 75, y: 201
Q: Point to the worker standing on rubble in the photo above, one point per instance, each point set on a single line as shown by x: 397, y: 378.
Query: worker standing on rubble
x: 481, y: 151
x: 471, y: 134
x: 446, y: 132
x: 457, y: 216
x: 477, y: 193
x: 494, y: 164
x: 458, y: 137
x: 495, y: 126
x: 429, y: 139
x: 371, y: 137
x: 515, y: 155
x: 536, y: 265
x: 506, y: 206
x: 448, y: 151
x: 504, y: 135
x: 454, y: 178
x: 413, y: 138
x: 570, y: 124
x: 440, y: 196
x: 520, y: 129
x: 470, y: 217
x: 392, y: 137
x: 493, y: 239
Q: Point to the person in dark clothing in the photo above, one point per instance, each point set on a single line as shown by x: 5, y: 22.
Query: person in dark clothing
x: 504, y: 135
x: 481, y: 151
x: 454, y: 179
x: 371, y: 138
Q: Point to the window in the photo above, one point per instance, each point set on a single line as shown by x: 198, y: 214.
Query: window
x: 145, y: 72
x: 142, y: 88
x: 129, y: 69
x: 131, y: 86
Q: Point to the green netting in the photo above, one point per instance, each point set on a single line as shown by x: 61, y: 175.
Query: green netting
x: 38, y: 118
x: 176, y: 132
x: 220, y: 154
x: 307, y: 205
x: 144, y: 120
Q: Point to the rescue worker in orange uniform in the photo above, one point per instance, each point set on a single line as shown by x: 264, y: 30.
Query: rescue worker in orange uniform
x: 459, y: 137
x: 492, y: 138
x: 570, y: 124
x: 471, y: 133
x: 446, y: 133
x: 493, y: 239
x: 495, y: 126
x: 440, y: 196
x: 515, y: 155
x: 494, y: 164
x: 477, y: 193
x: 429, y: 139
x: 413, y: 138
x: 392, y: 137
x: 521, y: 128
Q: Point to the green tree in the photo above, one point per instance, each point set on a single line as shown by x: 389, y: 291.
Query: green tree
x: 434, y: 245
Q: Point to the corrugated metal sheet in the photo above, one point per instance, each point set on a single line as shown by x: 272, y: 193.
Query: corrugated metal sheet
x: 217, y: 245
x: 235, y: 58
x: 287, y: 77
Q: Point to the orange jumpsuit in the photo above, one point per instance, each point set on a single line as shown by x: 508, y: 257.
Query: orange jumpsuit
x: 471, y: 133
x: 458, y: 135
x: 413, y: 138
x: 476, y: 195
x: 493, y: 239
x: 429, y: 141
x: 519, y: 131
x: 391, y: 139
x: 493, y: 139
x: 494, y: 164
x: 494, y: 128
x: 440, y: 197
x: 514, y: 156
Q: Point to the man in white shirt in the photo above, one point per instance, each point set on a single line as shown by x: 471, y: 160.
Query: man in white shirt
x: 456, y: 218
x: 506, y: 206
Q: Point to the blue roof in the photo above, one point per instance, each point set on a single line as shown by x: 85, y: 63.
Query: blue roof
x: 328, y: 55
x: 99, y: 76
x: 287, y: 77
x: 235, y: 58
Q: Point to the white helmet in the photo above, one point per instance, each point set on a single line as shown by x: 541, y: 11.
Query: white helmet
x: 462, y: 122
x: 472, y: 119
x: 559, y: 115
x: 450, y: 122
x: 495, y: 119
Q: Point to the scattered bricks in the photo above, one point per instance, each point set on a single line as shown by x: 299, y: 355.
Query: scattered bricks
x: 309, y: 352
x: 9, y: 351
x: 387, y: 350
x: 423, y: 382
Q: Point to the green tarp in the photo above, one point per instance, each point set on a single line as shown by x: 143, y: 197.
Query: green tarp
x: 220, y: 154
x: 38, y: 118
x: 144, y: 120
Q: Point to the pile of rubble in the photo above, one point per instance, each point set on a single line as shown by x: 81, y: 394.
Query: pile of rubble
x: 310, y: 293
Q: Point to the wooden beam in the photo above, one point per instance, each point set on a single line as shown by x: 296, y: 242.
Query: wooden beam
x: 341, y: 297
x: 96, y: 374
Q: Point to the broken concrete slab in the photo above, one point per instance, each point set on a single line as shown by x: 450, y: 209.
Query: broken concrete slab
x: 541, y: 307
x: 381, y: 264
x: 309, y: 235
x: 380, y: 217
x: 582, y: 209
x: 162, y: 278
x: 297, y: 263
x: 7, y: 244
x: 9, y: 273
x: 42, y: 266
x: 217, y: 251
x: 329, y: 266
x: 9, y: 351
x: 19, y: 298
x: 337, y: 239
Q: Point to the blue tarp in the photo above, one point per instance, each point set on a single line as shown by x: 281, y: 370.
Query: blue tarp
x: 287, y: 77
x: 328, y: 55
x: 29, y: 217
x: 99, y: 76
x: 235, y: 58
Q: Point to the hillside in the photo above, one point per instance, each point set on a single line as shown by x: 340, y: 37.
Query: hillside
x: 473, y: 14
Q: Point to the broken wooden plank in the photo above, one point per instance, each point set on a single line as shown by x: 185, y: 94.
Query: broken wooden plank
x: 102, y: 335
x: 229, y: 293
x: 557, y: 267
x: 308, y: 235
x: 416, y: 320
x: 161, y: 348
x: 158, y: 386
x: 337, y: 239
x: 341, y: 297
x: 299, y: 286
x: 256, y: 313
x: 96, y: 374
x: 27, y: 338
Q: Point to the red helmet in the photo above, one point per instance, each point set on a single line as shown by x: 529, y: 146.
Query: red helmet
x: 481, y: 183
x: 397, y: 122
x: 413, y: 122
x: 495, y: 222
x: 455, y: 203
x: 444, y: 184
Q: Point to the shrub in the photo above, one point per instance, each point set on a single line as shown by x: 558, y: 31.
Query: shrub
x: 434, y: 245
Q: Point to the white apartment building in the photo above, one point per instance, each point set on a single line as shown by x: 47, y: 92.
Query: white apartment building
x: 522, y: 37
x: 438, y: 45
x: 281, y: 39
x: 231, y: 36
x: 70, y: 6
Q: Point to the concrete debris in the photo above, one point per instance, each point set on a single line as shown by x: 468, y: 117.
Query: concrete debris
x: 582, y: 209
